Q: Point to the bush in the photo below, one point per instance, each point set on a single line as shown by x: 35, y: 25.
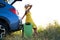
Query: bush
x: 52, y: 32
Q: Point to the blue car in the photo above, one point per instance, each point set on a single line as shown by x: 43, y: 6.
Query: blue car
x: 9, y: 21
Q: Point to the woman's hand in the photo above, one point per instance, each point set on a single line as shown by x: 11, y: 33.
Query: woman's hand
x: 28, y: 7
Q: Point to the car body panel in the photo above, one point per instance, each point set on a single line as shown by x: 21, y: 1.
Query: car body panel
x: 9, y: 16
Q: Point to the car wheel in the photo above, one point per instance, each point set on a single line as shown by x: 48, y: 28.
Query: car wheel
x: 3, y: 30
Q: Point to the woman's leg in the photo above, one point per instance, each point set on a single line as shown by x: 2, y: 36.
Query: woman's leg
x: 35, y: 31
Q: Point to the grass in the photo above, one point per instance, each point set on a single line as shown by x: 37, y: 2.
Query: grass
x: 52, y: 32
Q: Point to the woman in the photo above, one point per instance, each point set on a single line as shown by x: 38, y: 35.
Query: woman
x: 29, y: 18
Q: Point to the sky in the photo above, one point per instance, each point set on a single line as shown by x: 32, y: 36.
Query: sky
x: 42, y: 12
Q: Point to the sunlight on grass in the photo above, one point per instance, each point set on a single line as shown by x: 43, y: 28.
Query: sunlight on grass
x: 17, y: 32
x: 51, y: 32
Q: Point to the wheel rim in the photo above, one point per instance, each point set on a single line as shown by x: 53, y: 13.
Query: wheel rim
x: 2, y: 31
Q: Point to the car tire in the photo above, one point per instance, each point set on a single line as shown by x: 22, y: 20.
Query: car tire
x: 3, y: 27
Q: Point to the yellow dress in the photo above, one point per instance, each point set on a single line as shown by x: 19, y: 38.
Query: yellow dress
x: 29, y: 19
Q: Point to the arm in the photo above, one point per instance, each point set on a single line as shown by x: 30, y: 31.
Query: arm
x: 27, y: 10
x: 24, y: 14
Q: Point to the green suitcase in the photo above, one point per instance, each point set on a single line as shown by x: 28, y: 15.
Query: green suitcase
x: 28, y: 30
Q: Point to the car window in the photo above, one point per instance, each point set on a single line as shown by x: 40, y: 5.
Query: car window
x: 2, y: 5
x: 9, y: 1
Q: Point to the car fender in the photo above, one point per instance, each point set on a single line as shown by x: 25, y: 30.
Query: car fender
x: 12, y: 19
